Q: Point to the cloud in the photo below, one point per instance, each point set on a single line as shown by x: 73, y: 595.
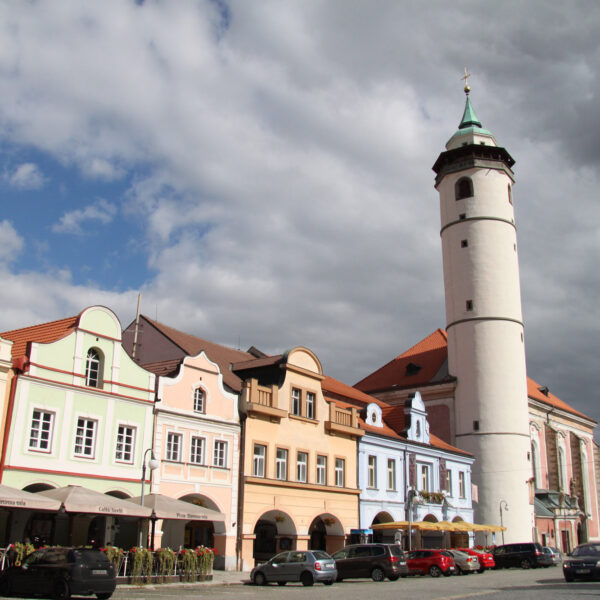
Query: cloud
x: 72, y: 222
x: 26, y: 176
x: 11, y: 242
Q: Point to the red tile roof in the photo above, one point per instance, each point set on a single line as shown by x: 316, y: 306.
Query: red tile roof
x: 428, y: 359
x: 193, y: 345
x: 43, y: 334
x: 164, y: 368
x: 431, y: 354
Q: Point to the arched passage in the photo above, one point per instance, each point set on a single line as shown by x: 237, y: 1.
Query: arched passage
x: 385, y: 536
x: 274, y: 531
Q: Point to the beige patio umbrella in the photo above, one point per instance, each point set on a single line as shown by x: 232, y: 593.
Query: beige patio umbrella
x: 164, y: 507
x: 420, y: 525
x: 78, y: 499
x: 14, y: 498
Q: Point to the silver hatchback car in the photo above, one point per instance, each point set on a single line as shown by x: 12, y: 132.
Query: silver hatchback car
x: 306, y: 566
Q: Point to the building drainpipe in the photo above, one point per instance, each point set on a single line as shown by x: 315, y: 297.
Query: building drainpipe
x: 240, y: 511
x: 19, y: 365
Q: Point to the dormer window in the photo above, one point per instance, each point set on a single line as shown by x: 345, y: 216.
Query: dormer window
x: 199, y: 400
x: 418, y: 430
x: 412, y: 369
x: 463, y: 188
x: 374, y: 415
x: 93, y: 369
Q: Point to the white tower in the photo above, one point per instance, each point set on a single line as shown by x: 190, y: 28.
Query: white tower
x: 486, y: 351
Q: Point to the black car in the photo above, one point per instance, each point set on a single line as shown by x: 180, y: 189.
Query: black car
x: 582, y: 563
x: 377, y: 561
x: 526, y: 555
x: 60, y: 572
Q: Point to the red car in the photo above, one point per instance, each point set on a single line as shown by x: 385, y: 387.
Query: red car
x: 434, y: 562
x: 486, y: 559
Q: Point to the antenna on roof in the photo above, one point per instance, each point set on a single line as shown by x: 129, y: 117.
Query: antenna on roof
x: 137, y: 325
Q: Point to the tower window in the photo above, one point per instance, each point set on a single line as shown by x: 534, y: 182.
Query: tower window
x: 462, y: 216
x: 469, y: 304
x: 464, y: 243
x: 510, y: 193
x: 93, y: 368
x: 463, y: 188
x: 475, y: 425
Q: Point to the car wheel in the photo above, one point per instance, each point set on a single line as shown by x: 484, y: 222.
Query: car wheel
x: 459, y: 571
x: 330, y: 582
x: 568, y: 578
x: 260, y: 579
x: 281, y: 582
x: 306, y: 579
x: 5, y: 587
x: 339, y: 578
x: 525, y: 564
x: 435, y: 571
x: 104, y: 596
x: 377, y: 574
x: 61, y: 590
x: 481, y: 569
x: 394, y: 577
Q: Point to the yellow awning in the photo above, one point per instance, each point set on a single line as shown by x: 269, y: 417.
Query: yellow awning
x: 439, y: 526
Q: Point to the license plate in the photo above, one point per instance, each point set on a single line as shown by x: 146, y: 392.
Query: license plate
x: 99, y: 571
x: 582, y: 571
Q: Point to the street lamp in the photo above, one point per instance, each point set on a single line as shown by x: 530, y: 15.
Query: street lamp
x: 410, y: 496
x: 152, y: 465
x: 501, y: 517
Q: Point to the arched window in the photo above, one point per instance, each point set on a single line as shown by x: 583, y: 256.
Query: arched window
x: 562, y: 470
x: 199, y: 400
x: 93, y: 368
x: 510, y: 194
x: 535, y: 463
x: 464, y: 188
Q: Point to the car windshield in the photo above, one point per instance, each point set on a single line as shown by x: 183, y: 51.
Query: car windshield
x: 588, y: 550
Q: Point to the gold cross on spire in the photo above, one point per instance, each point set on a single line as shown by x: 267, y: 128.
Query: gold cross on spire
x: 466, y: 79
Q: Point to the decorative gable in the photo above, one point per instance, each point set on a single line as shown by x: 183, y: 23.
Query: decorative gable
x: 374, y: 415
x: 415, y: 418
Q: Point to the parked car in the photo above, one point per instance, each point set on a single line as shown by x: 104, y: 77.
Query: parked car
x: 486, y: 559
x: 377, y: 561
x: 465, y: 563
x: 526, y: 555
x: 434, y: 562
x: 582, y: 563
x: 306, y: 566
x: 555, y: 553
x: 59, y: 573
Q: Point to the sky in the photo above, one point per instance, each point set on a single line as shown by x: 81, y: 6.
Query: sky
x: 261, y: 171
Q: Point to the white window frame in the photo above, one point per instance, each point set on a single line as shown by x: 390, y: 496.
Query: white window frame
x: 174, y: 446
x: 462, y: 484
x: 85, y: 438
x: 93, y: 364
x: 296, y: 402
x: 197, y: 450
x: 281, y: 464
x: 449, y: 482
x: 372, y: 471
x: 391, y: 475
x: 41, y: 430
x: 220, y: 449
x: 199, y: 402
x: 125, y: 446
x: 424, y: 474
x: 259, y: 460
x: 321, y: 469
x: 340, y: 472
x: 302, y: 466
x: 311, y: 400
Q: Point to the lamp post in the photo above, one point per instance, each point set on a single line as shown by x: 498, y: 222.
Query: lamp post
x: 410, y: 496
x: 501, y: 516
x: 152, y: 465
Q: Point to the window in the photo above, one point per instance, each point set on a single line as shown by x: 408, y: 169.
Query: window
x: 372, y: 472
x: 463, y: 188
x: 296, y: 401
x: 424, y: 478
x: 40, y: 435
x: 125, y: 444
x: 391, y: 474
x: 322, y: 470
x: 173, y: 452
x: 281, y: 462
x: 510, y: 199
x: 197, y: 450
x: 464, y: 243
x: 469, y: 305
x: 340, y: 467
x: 258, y: 464
x: 310, y: 405
x: 92, y: 368
x: 220, y: 454
x: 462, y: 489
x: 462, y: 216
x: 85, y: 438
x: 199, y: 401
x: 449, y: 481
x: 562, y: 469
x: 301, y: 466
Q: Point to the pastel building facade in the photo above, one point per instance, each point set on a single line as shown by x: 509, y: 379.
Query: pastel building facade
x: 405, y: 472
x: 78, y: 412
x: 196, y: 439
